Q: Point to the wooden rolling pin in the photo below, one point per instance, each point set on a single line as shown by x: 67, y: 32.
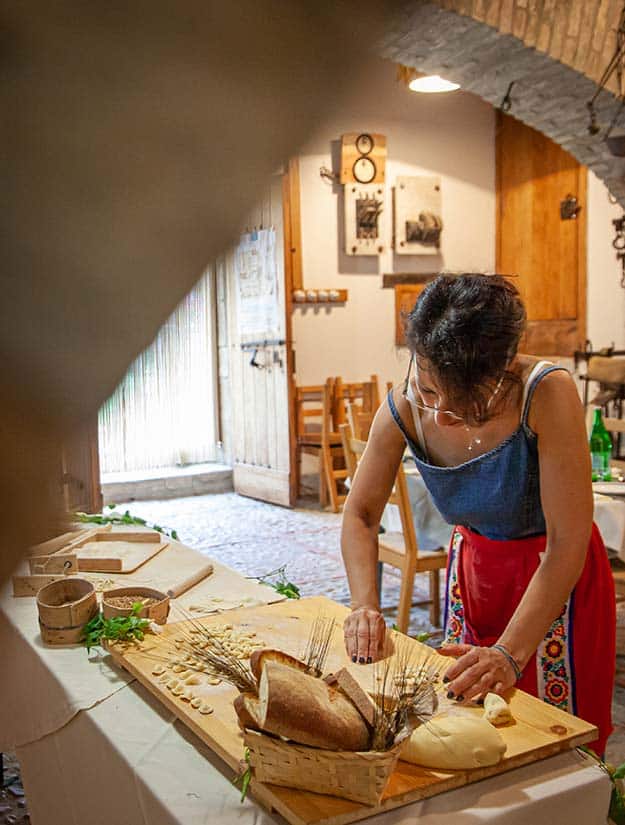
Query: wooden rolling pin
x: 189, y: 582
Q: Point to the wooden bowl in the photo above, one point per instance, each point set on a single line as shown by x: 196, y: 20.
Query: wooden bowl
x: 65, y: 606
x: 156, y: 612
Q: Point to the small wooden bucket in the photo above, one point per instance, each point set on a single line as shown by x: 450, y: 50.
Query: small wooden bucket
x: 361, y: 776
x: 65, y: 606
x: 156, y: 612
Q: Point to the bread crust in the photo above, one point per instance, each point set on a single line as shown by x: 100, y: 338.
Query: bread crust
x: 259, y: 657
x: 307, y: 710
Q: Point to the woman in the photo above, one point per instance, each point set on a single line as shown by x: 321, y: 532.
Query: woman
x: 501, y: 444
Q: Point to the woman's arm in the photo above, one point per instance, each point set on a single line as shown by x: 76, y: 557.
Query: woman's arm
x: 557, y: 417
x: 371, y: 487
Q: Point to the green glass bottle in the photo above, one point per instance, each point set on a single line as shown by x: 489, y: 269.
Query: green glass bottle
x: 600, y: 449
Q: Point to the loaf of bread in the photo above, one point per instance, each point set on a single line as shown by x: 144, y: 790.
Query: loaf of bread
x: 259, y: 657
x: 246, y: 708
x: 307, y: 710
x: 344, y: 680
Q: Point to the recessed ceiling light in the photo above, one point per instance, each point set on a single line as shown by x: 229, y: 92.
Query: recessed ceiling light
x: 431, y: 84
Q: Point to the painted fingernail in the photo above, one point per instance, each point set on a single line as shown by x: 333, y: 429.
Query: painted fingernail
x: 450, y: 694
x: 369, y: 660
x: 459, y: 698
x: 362, y: 660
x: 354, y: 658
x: 446, y: 679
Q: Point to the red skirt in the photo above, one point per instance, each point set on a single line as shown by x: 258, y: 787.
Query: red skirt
x: 575, y: 663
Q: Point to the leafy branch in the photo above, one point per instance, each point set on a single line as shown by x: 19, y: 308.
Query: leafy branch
x: 118, y: 628
x: 278, y: 580
x: 122, y: 518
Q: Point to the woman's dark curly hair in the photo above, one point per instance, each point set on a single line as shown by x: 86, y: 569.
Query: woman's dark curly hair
x: 467, y: 327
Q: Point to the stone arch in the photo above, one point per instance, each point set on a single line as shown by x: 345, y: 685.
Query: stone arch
x: 554, y: 50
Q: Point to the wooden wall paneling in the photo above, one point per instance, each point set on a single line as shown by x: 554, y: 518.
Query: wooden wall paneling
x: 79, y: 467
x: 405, y: 299
x: 547, y: 253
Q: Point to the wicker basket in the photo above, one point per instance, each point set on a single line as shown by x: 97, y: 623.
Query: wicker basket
x: 361, y: 776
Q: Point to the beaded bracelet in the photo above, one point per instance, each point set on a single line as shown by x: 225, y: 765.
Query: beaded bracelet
x: 517, y: 670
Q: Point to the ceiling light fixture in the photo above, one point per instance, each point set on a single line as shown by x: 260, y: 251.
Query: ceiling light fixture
x: 432, y: 84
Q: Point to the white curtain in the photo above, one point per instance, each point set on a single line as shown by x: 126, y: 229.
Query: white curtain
x: 163, y: 412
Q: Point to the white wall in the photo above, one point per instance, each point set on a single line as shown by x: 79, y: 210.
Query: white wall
x: 447, y: 135
x: 606, y: 298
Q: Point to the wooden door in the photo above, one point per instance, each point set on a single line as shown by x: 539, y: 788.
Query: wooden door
x: 256, y: 362
x: 534, y: 242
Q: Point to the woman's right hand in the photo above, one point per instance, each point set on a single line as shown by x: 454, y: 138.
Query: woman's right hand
x: 365, y: 632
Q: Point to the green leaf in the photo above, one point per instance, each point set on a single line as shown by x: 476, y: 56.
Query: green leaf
x: 174, y: 535
x: 619, y: 773
x: 244, y: 778
x: 423, y: 637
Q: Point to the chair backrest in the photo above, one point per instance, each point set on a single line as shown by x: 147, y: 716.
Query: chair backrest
x: 311, y: 407
x: 363, y: 393
x: 359, y: 421
x: 615, y: 425
x: 353, y: 448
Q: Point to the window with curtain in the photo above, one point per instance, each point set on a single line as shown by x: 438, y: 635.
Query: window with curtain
x: 163, y: 414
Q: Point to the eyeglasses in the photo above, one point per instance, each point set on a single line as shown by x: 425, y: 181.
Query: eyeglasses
x: 436, y: 409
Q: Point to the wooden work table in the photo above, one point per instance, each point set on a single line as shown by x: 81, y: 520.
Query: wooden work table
x: 96, y: 747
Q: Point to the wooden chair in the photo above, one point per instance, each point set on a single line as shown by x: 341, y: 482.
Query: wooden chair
x: 400, y: 550
x: 362, y: 393
x: 316, y: 436
x: 359, y: 421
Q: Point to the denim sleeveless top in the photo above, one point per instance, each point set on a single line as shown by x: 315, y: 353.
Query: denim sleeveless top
x: 496, y: 494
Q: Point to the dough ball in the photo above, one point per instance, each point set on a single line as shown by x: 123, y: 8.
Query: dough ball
x: 497, y: 710
x: 454, y: 742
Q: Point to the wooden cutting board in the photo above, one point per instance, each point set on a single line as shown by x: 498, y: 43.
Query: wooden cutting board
x: 539, y: 729
x: 114, y: 551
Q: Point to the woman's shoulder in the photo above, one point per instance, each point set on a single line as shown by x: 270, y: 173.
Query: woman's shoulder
x: 396, y: 413
x: 554, y: 396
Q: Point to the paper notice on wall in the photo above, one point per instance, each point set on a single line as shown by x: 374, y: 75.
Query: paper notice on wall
x: 257, y: 282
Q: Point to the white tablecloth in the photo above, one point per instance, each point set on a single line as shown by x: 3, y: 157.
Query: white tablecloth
x: 610, y: 519
x: 96, y: 749
x: 127, y: 762
x: 44, y: 687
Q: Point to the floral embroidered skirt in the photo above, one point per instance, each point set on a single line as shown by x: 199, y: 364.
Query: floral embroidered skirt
x: 574, y: 664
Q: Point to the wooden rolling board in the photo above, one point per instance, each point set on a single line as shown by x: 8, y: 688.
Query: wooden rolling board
x: 539, y: 730
x: 117, y: 553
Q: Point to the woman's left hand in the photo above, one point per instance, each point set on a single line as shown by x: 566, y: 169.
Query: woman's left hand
x: 478, y: 671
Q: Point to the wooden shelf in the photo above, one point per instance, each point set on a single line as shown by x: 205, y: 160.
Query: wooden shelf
x: 393, y: 279
x: 328, y: 302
